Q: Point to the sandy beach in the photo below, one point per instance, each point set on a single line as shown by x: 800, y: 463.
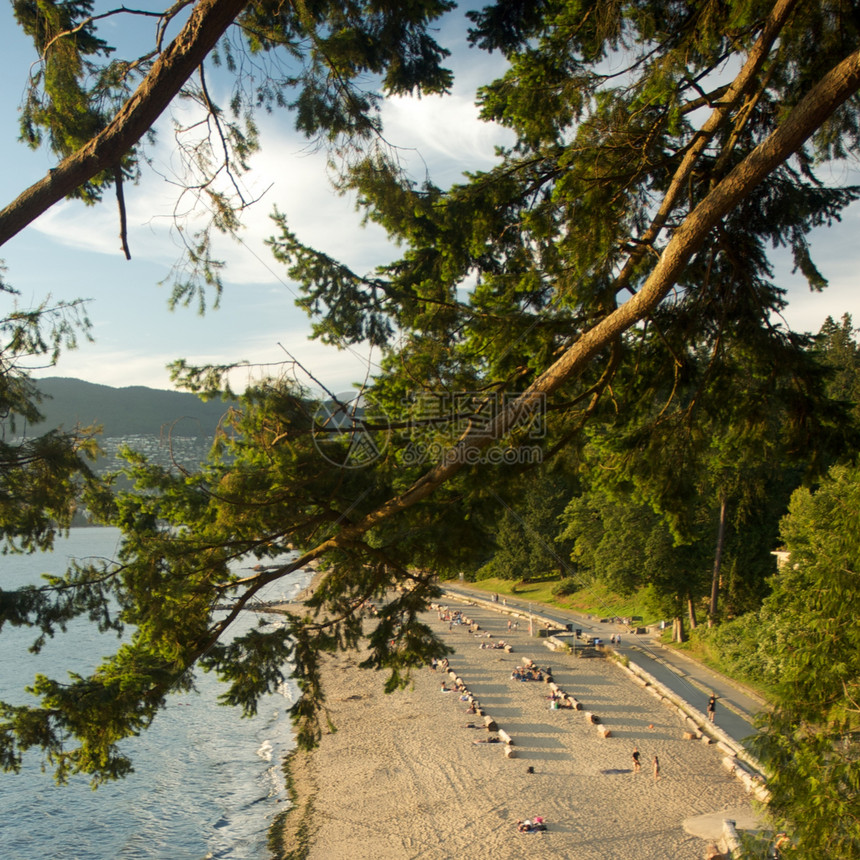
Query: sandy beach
x: 401, y: 777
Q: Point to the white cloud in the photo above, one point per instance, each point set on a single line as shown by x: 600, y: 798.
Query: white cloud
x: 834, y: 250
x: 285, y: 175
x: 442, y: 132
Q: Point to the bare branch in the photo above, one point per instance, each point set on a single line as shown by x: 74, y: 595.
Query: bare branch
x: 92, y: 18
x: 120, y: 200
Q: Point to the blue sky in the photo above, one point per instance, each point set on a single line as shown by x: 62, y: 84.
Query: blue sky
x: 73, y: 251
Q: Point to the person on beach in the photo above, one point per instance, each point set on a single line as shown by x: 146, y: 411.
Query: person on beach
x: 532, y: 826
x: 637, y: 764
x: 656, y: 768
x: 712, y: 707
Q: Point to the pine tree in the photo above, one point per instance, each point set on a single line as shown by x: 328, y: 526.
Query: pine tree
x: 810, y: 738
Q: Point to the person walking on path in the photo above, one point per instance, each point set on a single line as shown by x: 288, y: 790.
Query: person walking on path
x: 637, y: 765
x: 656, y: 768
x: 712, y: 707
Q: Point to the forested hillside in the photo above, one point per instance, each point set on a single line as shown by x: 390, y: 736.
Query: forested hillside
x: 131, y: 411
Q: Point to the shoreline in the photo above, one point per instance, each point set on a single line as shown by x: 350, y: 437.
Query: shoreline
x: 289, y: 835
x: 400, y: 777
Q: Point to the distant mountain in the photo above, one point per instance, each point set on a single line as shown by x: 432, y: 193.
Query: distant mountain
x: 131, y: 411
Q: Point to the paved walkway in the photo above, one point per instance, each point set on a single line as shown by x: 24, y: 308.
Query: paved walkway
x: 690, y: 679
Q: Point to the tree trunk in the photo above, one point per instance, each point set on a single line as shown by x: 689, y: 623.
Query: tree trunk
x: 691, y: 612
x: 718, y: 558
x: 678, y: 629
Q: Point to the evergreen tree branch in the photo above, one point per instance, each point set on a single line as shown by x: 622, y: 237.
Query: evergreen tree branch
x: 86, y: 22
x: 835, y: 87
x: 209, y: 21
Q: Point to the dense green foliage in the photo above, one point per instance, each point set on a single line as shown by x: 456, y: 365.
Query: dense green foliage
x: 43, y: 477
x: 812, y: 737
x: 526, y: 535
x: 839, y: 352
x: 586, y: 329
x: 644, y: 500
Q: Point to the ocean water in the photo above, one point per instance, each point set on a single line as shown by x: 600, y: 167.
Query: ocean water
x: 207, y: 783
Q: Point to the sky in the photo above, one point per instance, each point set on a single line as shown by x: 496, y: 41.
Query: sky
x: 72, y: 252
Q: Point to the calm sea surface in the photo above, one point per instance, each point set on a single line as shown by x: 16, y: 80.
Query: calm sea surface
x: 207, y: 783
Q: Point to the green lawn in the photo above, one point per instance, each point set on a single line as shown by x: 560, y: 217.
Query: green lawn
x: 591, y: 600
